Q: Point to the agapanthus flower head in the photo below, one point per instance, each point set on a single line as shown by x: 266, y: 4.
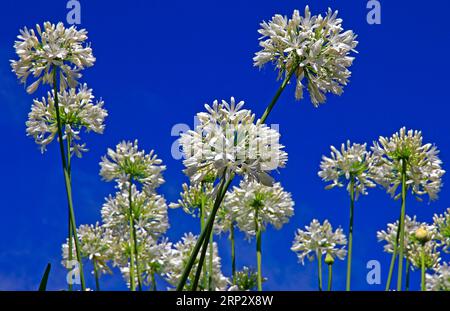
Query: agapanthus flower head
x: 442, y: 224
x: 77, y: 112
x: 351, y: 164
x: 412, y: 245
x: 49, y: 47
x: 423, y: 166
x: 318, y: 240
x: 246, y: 279
x: 149, y: 212
x: 228, y: 139
x: 176, y: 262
x: 254, y: 202
x: 128, y: 162
x: 194, y: 197
x: 440, y: 279
x: 314, y: 48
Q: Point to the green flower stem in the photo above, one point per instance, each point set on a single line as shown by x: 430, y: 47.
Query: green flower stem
x: 201, y: 239
x: 330, y: 276
x: 408, y: 273
x: 402, y: 227
x: 233, y: 254
x: 154, y: 281
x: 422, y: 262
x: 211, y: 257
x: 67, y: 181
x: 202, y: 227
x: 132, y: 248
x: 96, y: 275
x: 68, y: 219
x: 258, y: 251
x: 350, y: 233
x: 394, y: 256
x: 319, y: 261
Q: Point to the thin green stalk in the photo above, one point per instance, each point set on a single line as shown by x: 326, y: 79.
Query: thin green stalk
x: 44, y: 280
x: 211, y: 257
x: 67, y: 181
x: 402, y: 227
x: 202, y: 237
x: 233, y: 254
x: 330, y: 276
x: 394, y: 256
x: 202, y: 227
x: 350, y: 233
x: 319, y: 261
x: 68, y: 218
x: 422, y: 262
x: 96, y: 275
x: 258, y: 250
x: 408, y: 273
x: 132, y: 249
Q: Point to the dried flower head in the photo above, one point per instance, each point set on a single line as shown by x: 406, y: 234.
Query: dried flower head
x: 350, y: 165
x: 312, y: 47
x: 318, y: 240
x: 53, y: 46
x: 77, y: 111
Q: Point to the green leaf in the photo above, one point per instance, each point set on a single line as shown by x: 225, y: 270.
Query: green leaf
x: 43, y: 284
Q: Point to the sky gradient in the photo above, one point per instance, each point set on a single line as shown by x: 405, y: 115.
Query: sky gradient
x: 158, y: 62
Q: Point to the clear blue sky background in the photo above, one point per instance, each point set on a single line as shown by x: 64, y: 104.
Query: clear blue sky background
x: 158, y: 62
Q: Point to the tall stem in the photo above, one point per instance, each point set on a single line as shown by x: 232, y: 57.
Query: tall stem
x: 402, y: 228
x: 97, y: 281
x: 330, y: 276
x: 394, y: 256
x: 408, y: 273
x: 422, y: 262
x: 154, y: 281
x: 211, y: 256
x: 67, y: 182
x: 233, y: 254
x: 258, y: 249
x: 350, y: 233
x: 68, y: 218
x: 132, y: 248
x: 319, y: 262
x: 202, y: 227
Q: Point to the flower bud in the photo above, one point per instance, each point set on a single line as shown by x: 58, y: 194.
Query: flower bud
x: 422, y: 235
x: 329, y: 260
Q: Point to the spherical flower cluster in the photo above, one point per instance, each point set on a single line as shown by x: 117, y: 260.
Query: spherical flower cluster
x: 318, y: 240
x: 128, y: 162
x: 226, y: 138
x: 254, y: 204
x: 423, y: 166
x: 194, y: 197
x: 77, y: 111
x: 351, y: 165
x: 412, y: 246
x: 46, y: 48
x: 442, y: 224
x: 176, y: 262
x: 440, y: 279
x: 314, y: 48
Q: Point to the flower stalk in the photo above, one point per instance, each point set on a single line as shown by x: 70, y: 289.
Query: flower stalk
x: 350, y: 234
x: 402, y: 227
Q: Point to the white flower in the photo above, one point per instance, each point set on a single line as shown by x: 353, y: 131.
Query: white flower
x: 318, y: 240
x: 423, y: 166
x: 314, y: 47
x: 227, y: 138
x: 177, y: 259
x: 149, y: 212
x: 193, y: 197
x: 412, y: 246
x: 442, y: 224
x: 351, y: 164
x: 77, y: 112
x: 440, y: 279
x: 52, y: 46
x: 253, y: 202
x: 127, y: 162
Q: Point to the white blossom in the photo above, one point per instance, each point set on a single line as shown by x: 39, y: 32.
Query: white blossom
x: 352, y: 163
x: 318, y: 240
x: 128, y: 162
x: 77, y: 111
x: 442, y: 224
x: 48, y: 47
x: 313, y: 47
x: 252, y: 203
x: 227, y: 138
x: 423, y: 166
x: 440, y: 279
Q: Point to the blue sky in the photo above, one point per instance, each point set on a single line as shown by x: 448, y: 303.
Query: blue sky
x: 158, y: 62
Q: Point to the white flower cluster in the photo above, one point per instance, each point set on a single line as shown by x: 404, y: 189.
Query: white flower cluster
x: 315, y: 48
x: 351, y: 164
x: 128, y: 162
x: 442, y: 224
x: 77, y: 111
x: 227, y: 138
x: 193, y: 197
x: 176, y: 262
x: 412, y: 246
x: 254, y: 204
x: 423, y: 166
x: 46, y: 48
x: 440, y: 279
x: 318, y: 240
